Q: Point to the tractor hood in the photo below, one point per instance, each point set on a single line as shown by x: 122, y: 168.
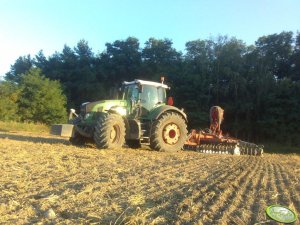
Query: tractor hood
x: 101, y: 106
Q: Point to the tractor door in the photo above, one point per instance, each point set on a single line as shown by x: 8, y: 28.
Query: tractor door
x: 131, y: 95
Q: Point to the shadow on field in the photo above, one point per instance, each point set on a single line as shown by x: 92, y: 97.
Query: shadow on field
x: 26, y: 138
x: 3, y: 130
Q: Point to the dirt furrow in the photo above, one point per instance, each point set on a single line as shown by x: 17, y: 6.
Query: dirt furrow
x: 291, y: 176
x: 239, y: 211
x: 140, y: 172
x: 169, y: 199
x: 268, y: 195
x: 152, y: 179
x: 272, y: 190
x: 166, y: 194
x: 259, y: 203
x: 288, y: 195
x: 191, y: 205
x: 119, y: 191
x: 224, y: 199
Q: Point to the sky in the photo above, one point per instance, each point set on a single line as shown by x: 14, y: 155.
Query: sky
x: 28, y: 26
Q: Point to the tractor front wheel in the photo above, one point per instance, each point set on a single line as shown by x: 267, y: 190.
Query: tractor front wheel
x: 110, y: 131
x: 77, y: 139
x: 169, y: 133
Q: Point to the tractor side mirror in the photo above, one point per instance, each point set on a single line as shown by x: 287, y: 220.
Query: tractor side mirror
x: 170, y: 101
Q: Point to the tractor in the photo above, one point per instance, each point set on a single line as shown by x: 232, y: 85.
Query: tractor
x: 142, y: 114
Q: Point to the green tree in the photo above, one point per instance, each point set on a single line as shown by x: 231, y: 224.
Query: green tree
x: 82, y: 85
x: 229, y: 81
x: 160, y: 58
x: 41, y: 100
x: 275, y: 51
x: 281, y: 120
x: 9, y: 93
x: 121, y: 60
x: 295, y: 60
x: 193, y: 86
x: 19, y: 68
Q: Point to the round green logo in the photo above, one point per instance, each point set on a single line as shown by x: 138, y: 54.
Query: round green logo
x: 281, y: 214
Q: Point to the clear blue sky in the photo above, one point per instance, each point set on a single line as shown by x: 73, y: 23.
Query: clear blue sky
x: 28, y: 26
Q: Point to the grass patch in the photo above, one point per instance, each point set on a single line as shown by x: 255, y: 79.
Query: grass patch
x: 11, y: 126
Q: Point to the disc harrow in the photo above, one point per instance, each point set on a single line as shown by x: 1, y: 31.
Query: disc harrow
x: 212, y: 140
x: 212, y: 144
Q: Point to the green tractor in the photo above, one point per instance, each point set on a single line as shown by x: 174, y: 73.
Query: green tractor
x: 141, y: 115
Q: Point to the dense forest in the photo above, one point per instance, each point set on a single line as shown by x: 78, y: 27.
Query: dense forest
x: 257, y: 85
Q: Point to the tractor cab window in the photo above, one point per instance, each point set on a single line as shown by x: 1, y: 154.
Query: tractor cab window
x: 131, y: 93
x: 151, y: 97
x: 149, y: 94
x: 162, y: 97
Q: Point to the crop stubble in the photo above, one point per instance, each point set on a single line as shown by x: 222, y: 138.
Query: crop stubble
x: 85, y: 185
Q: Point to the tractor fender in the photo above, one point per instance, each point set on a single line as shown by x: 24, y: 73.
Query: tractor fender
x: 158, y: 111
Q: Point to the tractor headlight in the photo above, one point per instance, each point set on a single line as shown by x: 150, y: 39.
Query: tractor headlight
x: 120, y: 110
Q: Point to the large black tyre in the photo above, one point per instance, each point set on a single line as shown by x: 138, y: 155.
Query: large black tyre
x: 110, y: 131
x: 168, y: 133
x: 78, y: 139
x: 133, y: 143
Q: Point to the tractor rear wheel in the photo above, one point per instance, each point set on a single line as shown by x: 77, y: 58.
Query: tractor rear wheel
x: 169, y: 133
x: 110, y: 131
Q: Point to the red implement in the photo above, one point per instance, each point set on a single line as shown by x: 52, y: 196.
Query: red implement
x: 212, y: 140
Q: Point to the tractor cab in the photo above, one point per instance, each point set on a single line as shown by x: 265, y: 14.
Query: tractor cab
x: 143, y: 96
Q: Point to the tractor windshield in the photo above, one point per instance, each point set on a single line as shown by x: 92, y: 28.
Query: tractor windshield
x: 152, y: 96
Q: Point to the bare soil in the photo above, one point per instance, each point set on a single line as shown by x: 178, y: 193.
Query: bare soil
x: 46, y: 180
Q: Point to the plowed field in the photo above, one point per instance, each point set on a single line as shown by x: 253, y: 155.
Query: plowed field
x: 46, y: 180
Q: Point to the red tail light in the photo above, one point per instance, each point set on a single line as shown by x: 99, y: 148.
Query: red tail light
x: 170, y: 101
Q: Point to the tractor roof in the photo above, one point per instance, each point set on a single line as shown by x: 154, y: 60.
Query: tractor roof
x: 144, y: 82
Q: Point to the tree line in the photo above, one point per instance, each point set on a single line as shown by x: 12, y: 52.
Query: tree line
x: 257, y: 85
